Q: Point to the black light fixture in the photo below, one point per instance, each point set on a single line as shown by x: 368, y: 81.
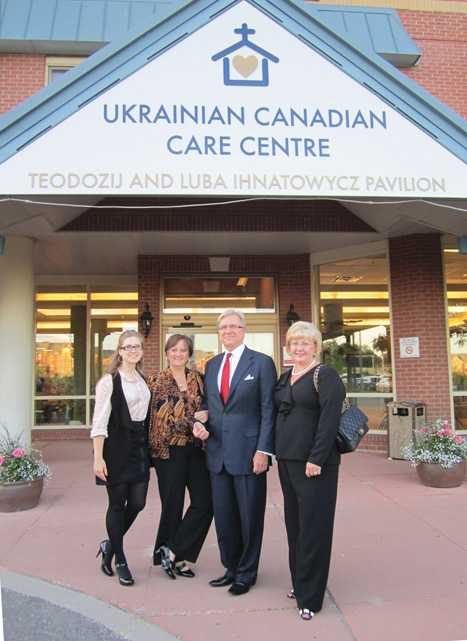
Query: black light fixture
x: 292, y: 316
x: 2, y: 244
x: 146, y: 319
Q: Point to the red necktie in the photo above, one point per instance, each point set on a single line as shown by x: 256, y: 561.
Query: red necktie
x: 225, y: 379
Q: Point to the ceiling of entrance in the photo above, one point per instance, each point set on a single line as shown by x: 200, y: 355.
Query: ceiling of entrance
x: 59, y: 250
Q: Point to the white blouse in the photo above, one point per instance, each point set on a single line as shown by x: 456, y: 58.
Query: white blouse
x: 136, y: 394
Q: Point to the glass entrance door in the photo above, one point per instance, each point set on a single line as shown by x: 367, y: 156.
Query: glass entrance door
x: 207, y: 344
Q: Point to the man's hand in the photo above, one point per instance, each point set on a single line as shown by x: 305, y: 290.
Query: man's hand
x: 200, y: 431
x: 260, y: 463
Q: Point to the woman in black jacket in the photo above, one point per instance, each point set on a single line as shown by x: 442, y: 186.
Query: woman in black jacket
x: 306, y: 428
x: 121, y: 455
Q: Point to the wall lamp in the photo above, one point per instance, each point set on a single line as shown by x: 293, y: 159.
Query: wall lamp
x: 146, y: 319
x: 292, y: 316
x: 2, y: 244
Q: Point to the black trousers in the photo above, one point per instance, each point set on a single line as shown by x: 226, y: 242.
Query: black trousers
x: 185, y: 533
x: 309, y: 506
x: 239, y: 506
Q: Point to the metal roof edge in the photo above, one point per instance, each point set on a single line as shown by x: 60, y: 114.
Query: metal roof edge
x: 119, y: 59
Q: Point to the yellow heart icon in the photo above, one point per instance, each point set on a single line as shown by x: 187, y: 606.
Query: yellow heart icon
x: 245, y: 66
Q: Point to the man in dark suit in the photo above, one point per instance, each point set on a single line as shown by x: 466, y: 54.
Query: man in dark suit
x: 239, y: 387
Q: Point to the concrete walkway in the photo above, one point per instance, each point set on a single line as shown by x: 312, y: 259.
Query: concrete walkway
x: 399, y: 567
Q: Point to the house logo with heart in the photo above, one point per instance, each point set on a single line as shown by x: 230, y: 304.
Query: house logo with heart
x: 243, y: 68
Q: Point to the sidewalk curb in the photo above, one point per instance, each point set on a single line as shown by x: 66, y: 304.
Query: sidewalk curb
x: 122, y: 623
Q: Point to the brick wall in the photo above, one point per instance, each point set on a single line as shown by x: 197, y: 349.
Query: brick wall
x: 418, y: 309
x: 21, y: 75
x: 442, y: 39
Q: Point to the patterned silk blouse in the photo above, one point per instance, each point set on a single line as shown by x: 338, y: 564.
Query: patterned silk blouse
x: 173, y: 410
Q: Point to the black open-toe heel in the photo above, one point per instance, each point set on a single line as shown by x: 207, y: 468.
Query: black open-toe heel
x: 107, y: 556
x: 124, y: 574
x: 183, y: 570
x: 167, y: 564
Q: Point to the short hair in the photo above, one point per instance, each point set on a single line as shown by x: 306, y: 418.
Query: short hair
x: 232, y: 312
x: 176, y: 338
x: 302, y: 329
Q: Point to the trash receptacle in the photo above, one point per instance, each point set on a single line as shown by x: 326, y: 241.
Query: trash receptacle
x: 403, y: 418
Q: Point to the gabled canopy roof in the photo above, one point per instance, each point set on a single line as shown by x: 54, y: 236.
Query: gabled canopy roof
x: 123, y: 57
x: 83, y: 26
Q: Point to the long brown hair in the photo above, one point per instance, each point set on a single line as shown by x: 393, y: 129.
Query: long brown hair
x: 115, y: 359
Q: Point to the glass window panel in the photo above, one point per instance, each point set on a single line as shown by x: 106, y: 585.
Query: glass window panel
x: 355, y: 322
x: 205, y: 347
x: 61, y: 342
x: 261, y: 342
x: 54, y: 411
x: 113, y: 311
x: 213, y: 295
x: 375, y: 408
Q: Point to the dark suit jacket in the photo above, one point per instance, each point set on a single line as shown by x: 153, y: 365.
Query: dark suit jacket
x: 246, y: 423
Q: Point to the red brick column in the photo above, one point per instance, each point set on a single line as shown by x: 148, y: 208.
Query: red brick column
x: 418, y: 309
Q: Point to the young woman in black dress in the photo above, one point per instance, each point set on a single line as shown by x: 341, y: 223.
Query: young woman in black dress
x: 121, y: 456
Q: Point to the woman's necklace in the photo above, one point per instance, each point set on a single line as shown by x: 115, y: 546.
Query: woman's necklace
x: 294, y: 373
x: 181, y: 382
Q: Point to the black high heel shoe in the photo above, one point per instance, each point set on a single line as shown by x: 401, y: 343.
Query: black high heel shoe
x: 107, y: 556
x: 167, y: 564
x: 181, y: 571
x: 124, y: 574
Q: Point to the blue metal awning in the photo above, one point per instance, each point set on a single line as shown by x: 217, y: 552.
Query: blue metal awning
x: 83, y: 26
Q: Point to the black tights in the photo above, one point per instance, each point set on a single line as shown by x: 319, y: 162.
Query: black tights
x: 126, y: 500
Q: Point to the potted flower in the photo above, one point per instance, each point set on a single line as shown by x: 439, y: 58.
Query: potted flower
x: 22, y: 474
x: 438, y: 454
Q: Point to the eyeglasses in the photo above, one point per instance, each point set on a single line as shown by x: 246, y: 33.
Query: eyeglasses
x: 130, y: 348
x: 231, y: 328
x: 304, y: 344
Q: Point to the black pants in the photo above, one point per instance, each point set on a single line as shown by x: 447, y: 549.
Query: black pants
x: 185, y: 533
x: 239, y: 506
x: 309, y: 506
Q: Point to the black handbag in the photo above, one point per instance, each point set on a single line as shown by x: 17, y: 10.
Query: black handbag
x: 353, y: 425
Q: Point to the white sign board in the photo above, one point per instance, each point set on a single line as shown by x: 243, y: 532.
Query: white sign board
x: 241, y: 107
x: 287, y: 360
x: 409, y: 347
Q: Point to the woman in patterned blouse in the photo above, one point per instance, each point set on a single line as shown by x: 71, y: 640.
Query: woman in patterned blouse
x: 178, y: 456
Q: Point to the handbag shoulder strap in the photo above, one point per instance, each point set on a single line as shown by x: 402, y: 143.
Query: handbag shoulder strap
x: 315, y: 376
x: 345, y: 402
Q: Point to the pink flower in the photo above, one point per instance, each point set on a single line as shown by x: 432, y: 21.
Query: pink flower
x: 440, y: 433
x: 18, y: 452
x: 423, y: 429
x: 458, y: 438
x: 447, y: 432
x: 2, y: 458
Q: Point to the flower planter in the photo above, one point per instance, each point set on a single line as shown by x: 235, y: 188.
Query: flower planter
x: 21, y: 495
x: 434, y: 475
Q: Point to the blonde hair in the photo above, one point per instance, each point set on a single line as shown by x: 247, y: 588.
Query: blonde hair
x: 302, y: 329
x: 115, y: 359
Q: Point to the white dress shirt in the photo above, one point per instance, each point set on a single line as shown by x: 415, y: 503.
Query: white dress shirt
x: 236, y: 354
